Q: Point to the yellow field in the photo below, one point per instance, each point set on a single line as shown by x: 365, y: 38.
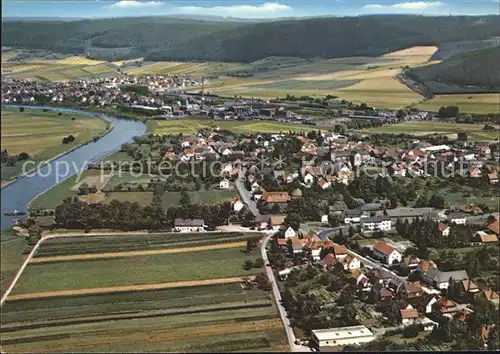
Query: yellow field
x: 173, y: 67
x: 468, y: 103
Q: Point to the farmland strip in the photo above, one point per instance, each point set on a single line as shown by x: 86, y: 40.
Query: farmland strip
x: 135, y: 253
x: 125, y: 288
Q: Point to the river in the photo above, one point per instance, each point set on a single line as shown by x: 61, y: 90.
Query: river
x: 18, y: 194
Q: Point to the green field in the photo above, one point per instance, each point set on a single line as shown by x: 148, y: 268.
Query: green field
x: 40, y: 134
x: 134, y: 270
x: 217, y: 317
x: 191, y: 126
x: 195, y: 318
x: 468, y: 103
x: 66, y: 246
x: 474, y: 131
x: 11, y: 257
x: 54, y: 197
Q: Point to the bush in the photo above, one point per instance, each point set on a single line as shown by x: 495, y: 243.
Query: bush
x: 259, y: 263
x: 411, y: 331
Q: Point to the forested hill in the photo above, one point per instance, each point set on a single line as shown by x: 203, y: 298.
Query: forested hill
x: 186, y: 39
x: 464, y: 72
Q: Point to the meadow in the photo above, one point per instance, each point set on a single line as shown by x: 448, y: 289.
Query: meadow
x: 474, y: 131
x: 40, y: 134
x: 191, y: 126
x: 218, y: 316
x: 485, y: 103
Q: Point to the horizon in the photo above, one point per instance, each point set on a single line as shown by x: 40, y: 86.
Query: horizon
x: 241, y: 9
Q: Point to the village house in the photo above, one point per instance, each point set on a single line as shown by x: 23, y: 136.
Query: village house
x: 275, y: 222
x: 440, y: 280
x: 353, y: 216
x: 408, y: 315
x: 376, y: 223
x: 338, y: 337
x: 386, y: 253
x: 457, y: 218
x: 491, y: 296
x: 238, y: 205
x: 444, y: 229
x: 339, y: 251
x: 224, y: 184
x: 295, y: 245
x: 411, y: 290
x: 276, y: 197
x: 189, y: 225
x: 290, y: 233
x: 328, y: 261
x: 351, y: 262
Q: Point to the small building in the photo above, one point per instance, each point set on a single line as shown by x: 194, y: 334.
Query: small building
x: 408, y: 316
x: 290, y: 232
x: 350, y: 263
x: 440, y: 280
x: 352, y: 216
x: 189, y: 225
x: 224, y: 184
x: 457, y: 218
x: 386, y: 253
x: 275, y: 222
x: 341, y: 336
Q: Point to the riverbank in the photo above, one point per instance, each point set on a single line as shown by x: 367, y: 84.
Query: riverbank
x: 19, y: 193
x: 108, y: 127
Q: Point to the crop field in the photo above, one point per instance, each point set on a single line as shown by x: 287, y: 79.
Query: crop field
x: 474, y: 131
x: 219, y: 315
x: 191, y: 126
x: 40, y: 134
x: 196, y: 69
x: 468, y: 103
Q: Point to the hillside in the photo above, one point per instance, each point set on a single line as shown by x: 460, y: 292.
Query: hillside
x: 476, y: 71
x: 237, y: 41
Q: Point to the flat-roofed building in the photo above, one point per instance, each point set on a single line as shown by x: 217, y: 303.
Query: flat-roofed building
x: 342, y: 336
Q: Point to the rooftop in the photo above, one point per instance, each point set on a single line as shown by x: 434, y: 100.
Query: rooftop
x: 341, y: 333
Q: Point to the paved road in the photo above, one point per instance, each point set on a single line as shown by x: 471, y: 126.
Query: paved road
x: 277, y: 295
x: 246, y: 195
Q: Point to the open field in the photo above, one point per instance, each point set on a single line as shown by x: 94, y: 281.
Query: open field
x: 191, y: 126
x: 360, y: 79
x: 11, y: 257
x: 204, y: 309
x: 78, y: 257
x: 70, y: 246
x: 135, y: 270
x: 468, y: 103
x: 474, y: 131
x: 40, y: 134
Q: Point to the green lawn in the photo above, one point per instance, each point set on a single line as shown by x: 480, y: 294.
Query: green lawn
x: 40, y: 134
x: 134, y: 270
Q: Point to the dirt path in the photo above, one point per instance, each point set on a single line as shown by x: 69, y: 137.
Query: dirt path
x: 136, y: 253
x: 125, y: 288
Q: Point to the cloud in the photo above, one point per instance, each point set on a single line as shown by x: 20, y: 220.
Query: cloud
x: 126, y: 4
x: 412, y: 6
x: 237, y: 10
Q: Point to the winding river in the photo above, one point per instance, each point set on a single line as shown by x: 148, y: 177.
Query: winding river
x: 18, y: 194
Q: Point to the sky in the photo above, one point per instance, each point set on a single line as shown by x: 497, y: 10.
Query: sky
x: 262, y: 9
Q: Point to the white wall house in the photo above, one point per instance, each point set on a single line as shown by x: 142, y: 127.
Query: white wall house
x: 224, y: 184
x: 290, y: 233
x: 238, y: 205
x: 351, y: 263
x: 255, y: 187
x: 376, y: 223
x: 341, y: 336
x: 308, y: 178
x: 386, y: 253
x: 189, y: 225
